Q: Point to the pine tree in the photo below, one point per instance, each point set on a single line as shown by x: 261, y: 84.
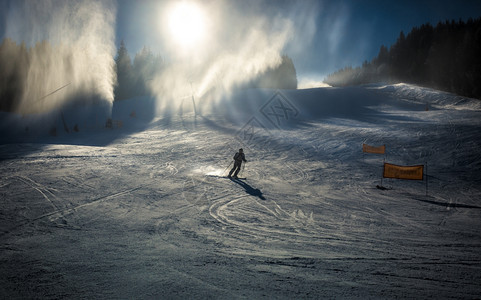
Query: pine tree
x: 123, y: 63
x: 445, y: 57
x: 283, y: 76
x: 14, y: 65
x: 146, y: 66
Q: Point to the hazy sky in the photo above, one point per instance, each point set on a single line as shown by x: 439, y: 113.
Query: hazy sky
x: 330, y: 34
x: 326, y: 35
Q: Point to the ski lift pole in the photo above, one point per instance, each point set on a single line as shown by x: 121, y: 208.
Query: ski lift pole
x: 193, y: 100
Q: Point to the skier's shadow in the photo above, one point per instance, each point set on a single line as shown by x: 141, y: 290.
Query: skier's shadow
x: 249, y: 189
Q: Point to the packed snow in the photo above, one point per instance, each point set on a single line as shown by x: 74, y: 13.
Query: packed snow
x: 142, y: 210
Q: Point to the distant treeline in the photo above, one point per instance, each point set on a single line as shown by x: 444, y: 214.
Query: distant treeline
x: 14, y: 59
x: 283, y: 76
x: 445, y: 57
x: 133, y: 77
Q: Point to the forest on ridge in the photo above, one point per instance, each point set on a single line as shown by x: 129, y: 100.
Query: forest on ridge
x: 446, y: 57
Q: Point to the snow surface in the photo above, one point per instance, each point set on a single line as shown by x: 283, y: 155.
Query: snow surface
x: 140, y: 210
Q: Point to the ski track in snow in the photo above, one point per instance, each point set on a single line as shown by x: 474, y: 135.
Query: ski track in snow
x: 144, y: 216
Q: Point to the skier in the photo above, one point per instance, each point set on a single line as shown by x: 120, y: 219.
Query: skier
x: 238, y: 158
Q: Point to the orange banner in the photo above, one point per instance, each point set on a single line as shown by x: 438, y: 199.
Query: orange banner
x: 372, y: 149
x: 403, y: 172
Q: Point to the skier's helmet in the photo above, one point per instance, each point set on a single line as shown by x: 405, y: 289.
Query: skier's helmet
x: 241, y: 150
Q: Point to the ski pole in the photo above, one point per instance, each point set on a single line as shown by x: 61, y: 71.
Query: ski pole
x: 243, y: 167
x: 226, y: 168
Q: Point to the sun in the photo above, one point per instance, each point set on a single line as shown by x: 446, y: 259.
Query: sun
x: 186, y: 22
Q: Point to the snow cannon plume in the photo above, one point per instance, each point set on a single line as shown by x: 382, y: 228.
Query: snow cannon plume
x: 237, y: 42
x: 66, y: 52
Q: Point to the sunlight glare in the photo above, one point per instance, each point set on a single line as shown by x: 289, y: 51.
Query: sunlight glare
x: 186, y: 23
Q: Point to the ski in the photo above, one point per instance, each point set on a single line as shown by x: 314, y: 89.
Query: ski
x: 232, y: 178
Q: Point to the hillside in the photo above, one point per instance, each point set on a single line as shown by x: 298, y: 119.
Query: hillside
x: 445, y: 57
x: 141, y: 210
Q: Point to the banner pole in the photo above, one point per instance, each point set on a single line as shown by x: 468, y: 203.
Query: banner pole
x: 426, y: 178
x: 382, y: 175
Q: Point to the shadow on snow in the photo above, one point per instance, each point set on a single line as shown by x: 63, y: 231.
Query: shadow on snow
x: 249, y: 189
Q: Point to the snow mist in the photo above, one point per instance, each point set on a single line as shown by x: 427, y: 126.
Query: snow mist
x: 242, y: 40
x: 70, y: 51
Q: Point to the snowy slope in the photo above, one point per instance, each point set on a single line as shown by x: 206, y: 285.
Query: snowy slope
x: 140, y: 211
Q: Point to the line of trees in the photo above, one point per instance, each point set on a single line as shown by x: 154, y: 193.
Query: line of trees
x: 445, y: 57
x: 14, y: 60
x: 133, y: 77
x: 283, y: 76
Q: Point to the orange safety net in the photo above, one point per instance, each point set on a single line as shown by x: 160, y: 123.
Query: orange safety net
x: 372, y: 149
x: 403, y: 172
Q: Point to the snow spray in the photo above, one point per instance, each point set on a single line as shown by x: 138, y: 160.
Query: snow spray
x: 70, y: 47
x: 242, y: 42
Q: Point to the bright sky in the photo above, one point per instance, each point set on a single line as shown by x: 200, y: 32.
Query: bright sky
x: 325, y: 35
x: 329, y: 34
